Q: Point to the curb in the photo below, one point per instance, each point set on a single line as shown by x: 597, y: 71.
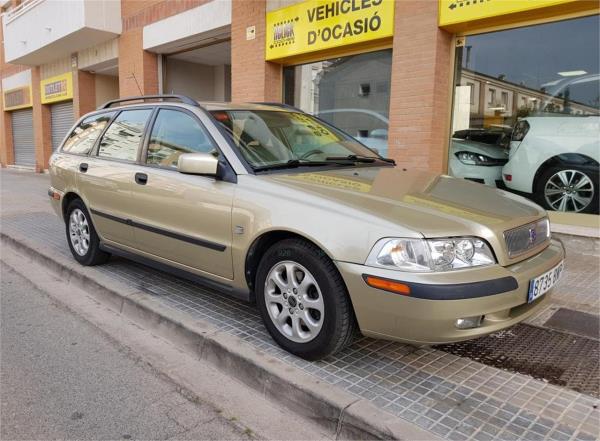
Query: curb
x: 341, y: 413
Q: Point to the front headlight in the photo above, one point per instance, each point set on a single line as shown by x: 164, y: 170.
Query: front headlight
x: 470, y: 158
x: 426, y: 255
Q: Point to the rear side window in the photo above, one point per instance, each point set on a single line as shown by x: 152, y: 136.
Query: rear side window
x: 123, y: 138
x: 174, y: 133
x: 84, y: 136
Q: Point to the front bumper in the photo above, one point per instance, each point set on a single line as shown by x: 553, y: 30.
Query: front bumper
x: 486, y: 175
x: 428, y: 321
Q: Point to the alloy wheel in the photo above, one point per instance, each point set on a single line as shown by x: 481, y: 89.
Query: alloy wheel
x: 79, y: 232
x: 569, y: 190
x: 294, y: 301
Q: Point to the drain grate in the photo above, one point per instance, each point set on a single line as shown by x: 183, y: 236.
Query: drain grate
x: 559, y: 358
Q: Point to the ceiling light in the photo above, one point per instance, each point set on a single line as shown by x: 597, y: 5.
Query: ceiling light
x: 572, y: 73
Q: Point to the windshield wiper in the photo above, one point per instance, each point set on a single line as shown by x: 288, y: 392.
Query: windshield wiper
x: 292, y: 163
x: 357, y: 158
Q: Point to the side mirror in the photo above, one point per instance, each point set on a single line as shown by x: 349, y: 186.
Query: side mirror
x: 198, y: 164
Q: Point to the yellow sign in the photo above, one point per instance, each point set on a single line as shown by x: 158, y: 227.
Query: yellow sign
x: 58, y: 88
x: 18, y: 98
x: 324, y: 24
x: 454, y: 12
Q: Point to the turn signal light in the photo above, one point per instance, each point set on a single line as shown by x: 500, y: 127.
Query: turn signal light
x: 388, y: 285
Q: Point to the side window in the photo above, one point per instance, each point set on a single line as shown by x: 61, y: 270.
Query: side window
x: 83, y: 137
x: 123, y: 138
x: 174, y: 133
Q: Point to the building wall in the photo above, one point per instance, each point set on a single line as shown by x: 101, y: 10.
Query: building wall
x: 107, y: 88
x: 421, y: 87
x: 252, y: 78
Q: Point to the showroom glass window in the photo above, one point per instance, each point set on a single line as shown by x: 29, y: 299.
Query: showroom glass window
x: 352, y: 93
x: 525, y: 117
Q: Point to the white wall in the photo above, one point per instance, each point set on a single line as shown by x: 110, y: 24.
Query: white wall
x: 195, y: 80
x: 107, y: 88
x: 47, y: 29
x: 207, y: 19
x: 20, y: 79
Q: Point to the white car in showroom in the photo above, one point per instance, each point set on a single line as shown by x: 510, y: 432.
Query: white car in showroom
x: 555, y: 156
x: 479, y: 155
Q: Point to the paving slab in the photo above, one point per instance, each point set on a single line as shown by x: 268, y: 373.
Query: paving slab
x: 447, y: 395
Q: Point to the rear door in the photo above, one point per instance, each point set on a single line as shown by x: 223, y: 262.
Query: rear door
x: 105, y: 178
x: 185, y: 219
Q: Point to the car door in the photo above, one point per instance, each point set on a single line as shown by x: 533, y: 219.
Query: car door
x: 184, y: 219
x: 105, y: 177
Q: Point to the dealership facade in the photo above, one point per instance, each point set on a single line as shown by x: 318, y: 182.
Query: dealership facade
x: 436, y: 85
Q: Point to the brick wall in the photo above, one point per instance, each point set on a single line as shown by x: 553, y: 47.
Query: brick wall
x: 84, y: 92
x: 138, y: 69
x: 252, y: 78
x: 420, y: 89
x: 41, y: 124
x: 139, y: 13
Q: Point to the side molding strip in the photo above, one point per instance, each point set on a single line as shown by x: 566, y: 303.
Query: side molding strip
x: 161, y: 231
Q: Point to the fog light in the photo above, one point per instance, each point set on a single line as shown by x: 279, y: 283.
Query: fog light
x: 469, y: 322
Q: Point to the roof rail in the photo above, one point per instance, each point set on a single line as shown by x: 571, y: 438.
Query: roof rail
x: 182, y: 98
x: 282, y: 105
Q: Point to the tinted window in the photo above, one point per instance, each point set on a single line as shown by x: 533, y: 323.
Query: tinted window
x: 123, y: 138
x: 175, y: 133
x: 82, y: 138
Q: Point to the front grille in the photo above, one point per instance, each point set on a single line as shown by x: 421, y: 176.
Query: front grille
x: 527, y: 237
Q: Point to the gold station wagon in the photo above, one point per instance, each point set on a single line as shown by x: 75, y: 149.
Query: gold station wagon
x: 270, y: 204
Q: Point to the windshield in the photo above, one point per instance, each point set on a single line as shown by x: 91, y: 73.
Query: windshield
x: 269, y: 138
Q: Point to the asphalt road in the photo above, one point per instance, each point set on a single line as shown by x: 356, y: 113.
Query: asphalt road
x: 61, y: 378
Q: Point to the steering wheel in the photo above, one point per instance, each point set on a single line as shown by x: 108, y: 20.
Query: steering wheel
x: 310, y: 153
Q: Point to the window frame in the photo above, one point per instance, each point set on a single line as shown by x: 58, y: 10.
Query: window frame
x: 143, y: 158
x: 96, y: 150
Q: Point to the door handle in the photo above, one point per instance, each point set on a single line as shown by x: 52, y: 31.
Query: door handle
x: 83, y: 167
x: 141, y: 178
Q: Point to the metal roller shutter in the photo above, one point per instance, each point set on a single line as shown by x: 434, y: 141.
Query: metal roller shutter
x: 61, y: 115
x: 22, y: 131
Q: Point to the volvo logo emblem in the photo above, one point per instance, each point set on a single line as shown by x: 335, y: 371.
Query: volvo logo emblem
x: 532, y: 236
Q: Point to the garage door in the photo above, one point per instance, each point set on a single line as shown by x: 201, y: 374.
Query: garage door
x: 62, y: 120
x: 22, y: 129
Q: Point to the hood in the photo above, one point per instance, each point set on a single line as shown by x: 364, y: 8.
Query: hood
x: 434, y: 205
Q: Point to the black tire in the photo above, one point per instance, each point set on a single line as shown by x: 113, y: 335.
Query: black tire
x: 339, y: 324
x: 94, y: 255
x: 548, y: 173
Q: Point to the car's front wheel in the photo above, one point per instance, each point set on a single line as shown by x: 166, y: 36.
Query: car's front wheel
x: 303, y: 300
x: 569, y: 189
x: 82, y: 237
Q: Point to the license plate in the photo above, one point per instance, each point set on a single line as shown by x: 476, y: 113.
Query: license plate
x: 542, y: 284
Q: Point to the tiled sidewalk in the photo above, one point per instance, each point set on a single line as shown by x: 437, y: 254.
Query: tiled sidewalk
x: 457, y: 398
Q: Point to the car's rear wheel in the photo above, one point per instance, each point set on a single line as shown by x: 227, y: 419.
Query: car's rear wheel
x: 83, y: 240
x: 569, y: 189
x: 303, y: 300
